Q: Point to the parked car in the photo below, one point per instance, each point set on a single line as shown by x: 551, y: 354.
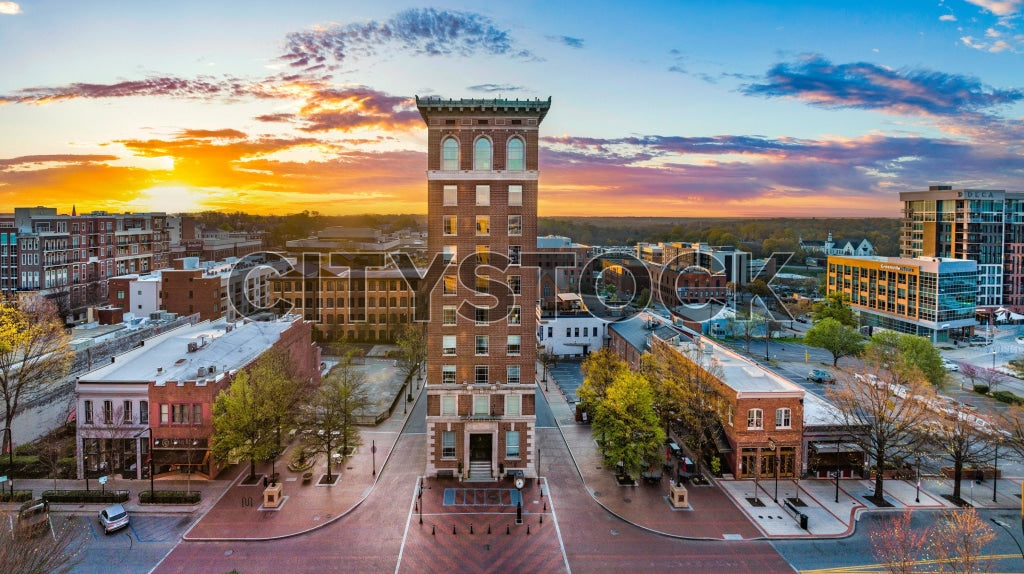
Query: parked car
x: 113, y: 518
x: 870, y: 378
x: 820, y: 376
x: 950, y: 365
x: 1020, y: 339
x: 978, y: 340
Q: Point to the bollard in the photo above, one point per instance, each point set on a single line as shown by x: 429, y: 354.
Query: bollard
x: 545, y: 507
x: 453, y: 530
x: 527, y: 529
x: 432, y: 531
x: 542, y: 519
x: 488, y: 529
x: 471, y: 528
x: 507, y: 531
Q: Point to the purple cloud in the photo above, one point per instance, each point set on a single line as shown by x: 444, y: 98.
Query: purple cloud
x: 202, y: 87
x: 868, y: 86
x: 424, y: 31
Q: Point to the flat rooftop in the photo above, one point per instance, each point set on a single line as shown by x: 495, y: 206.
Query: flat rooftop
x: 166, y: 357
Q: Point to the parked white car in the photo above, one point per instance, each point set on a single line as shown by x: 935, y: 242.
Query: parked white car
x: 950, y: 365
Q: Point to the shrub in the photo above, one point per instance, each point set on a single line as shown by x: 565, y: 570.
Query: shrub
x: 1007, y: 397
x: 981, y: 389
x: 108, y: 496
x: 19, y: 496
x: 716, y: 466
x: 169, y: 497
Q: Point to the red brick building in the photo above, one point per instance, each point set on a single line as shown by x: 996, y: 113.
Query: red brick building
x: 167, y: 386
x: 482, y: 190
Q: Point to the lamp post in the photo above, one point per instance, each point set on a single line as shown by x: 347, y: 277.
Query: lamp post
x: 995, y: 471
x: 1006, y: 527
x: 85, y: 471
x: 837, y: 470
x: 419, y: 496
x: 917, y: 497
x: 150, y: 454
x: 10, y: 458
x: 767, y: 336
x: 993, y: 359
x: 775, y: 450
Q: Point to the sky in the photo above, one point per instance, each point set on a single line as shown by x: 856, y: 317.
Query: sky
x: 683, y: 109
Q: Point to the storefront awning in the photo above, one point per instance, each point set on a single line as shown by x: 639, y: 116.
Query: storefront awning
x: 823, y: 447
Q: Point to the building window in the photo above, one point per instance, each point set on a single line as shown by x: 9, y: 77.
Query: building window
x: 451, y: 195
x: 449, y: 405
x: 448, y: 444
x: 481, y: 374
x: 451, y: 224
x: 482, y: 344
x: 515, y: 225
x: 448, y: 374
x: 514, y: 315
x: 729, y: 415
x: 483, y: 225
x: 450, y: 281
x: 515, y: 254
x: 88, y: 412
x: 144, y: 412
x: 513, y: 345
x: 448, y: 345
x: 515, y: 284
x: 482, y: 405
x: 755, y: 419
x: 449, y: 253
x: 483, y: 195
x: 515, y: 195
x: 482, y: 155
x: 512, y: 374
x: 514, y: 161
x: 782, y: 418
x: 512, y: 444
x: 126, y: 413
x: 179, y: 414
x: 483, y: 255
x: 512, y: 405
x: 108, y: 412
x: 483, y: 316
x: 483, y: 285
x: 197, y: 414
x: 450, y: 155
x: 449, y: 315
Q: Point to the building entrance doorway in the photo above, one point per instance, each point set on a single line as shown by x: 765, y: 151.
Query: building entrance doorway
x: 480, y: 447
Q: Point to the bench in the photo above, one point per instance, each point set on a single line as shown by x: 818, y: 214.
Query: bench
x: 793, y: 511
x: 446, y: 473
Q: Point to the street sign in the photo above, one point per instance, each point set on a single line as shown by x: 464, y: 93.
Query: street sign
x: 4, y: 479
x: 102, y: 480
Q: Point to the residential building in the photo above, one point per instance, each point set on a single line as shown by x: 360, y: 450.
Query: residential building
x: 69, y: 258
x: 135, y: 293
x: 723, y: 259
x: 860, y: 246
x: 166, y: 388
x: 232, y: 288
x: 569, y: 329
x: 564, y: 268
x: 982, y: 225
x: 482, y: 176
x: 932, y: 297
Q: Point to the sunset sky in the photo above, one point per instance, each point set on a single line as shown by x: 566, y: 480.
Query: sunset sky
x: 669, y: 108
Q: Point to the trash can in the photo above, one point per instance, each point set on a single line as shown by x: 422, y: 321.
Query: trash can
x: 803, y: 521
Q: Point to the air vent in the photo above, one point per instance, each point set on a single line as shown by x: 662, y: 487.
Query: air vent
x: 202, y: 371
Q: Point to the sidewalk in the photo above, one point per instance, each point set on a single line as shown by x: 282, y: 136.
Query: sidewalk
x: 211, y: 490
x: 727, y: 510
x: 240, y: 515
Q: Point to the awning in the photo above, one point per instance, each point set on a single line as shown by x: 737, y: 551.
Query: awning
x: 830, y: 447
x: 721, y: 441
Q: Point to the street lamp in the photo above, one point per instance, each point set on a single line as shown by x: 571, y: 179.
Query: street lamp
x: 85, y: 471
x: 420, y: 497
x: 1006, y: 527
x: 151, y: 485
x: 995, y: 471
x: 10, y: 459
x: 767, y: 336
x: 837, y: 469
x: 917, y: 497
x: 993, y: 359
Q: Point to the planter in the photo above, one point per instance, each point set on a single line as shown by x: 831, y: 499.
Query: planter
x: 307, y: 478
x: 973, y: 473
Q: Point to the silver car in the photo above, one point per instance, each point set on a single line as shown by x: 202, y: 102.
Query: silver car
x: 113, y: 517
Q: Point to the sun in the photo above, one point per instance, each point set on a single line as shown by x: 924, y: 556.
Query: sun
x: 169, y: 199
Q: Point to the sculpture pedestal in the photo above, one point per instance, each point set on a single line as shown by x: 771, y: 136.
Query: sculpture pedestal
x: 677, y: 496
x: 272, y: 495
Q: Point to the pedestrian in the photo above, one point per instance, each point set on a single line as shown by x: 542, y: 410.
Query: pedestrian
x: 264, y: 481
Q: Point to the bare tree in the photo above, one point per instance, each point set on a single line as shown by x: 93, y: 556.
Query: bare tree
x: 890, y: 423
x: 991, y: 378
x: 963, y: 437
x: 412, y: 343
x: 329, y: 418
x: 34, y: 353
x: 958, y: 541
x: 58, y: 553
x: 898, y: 546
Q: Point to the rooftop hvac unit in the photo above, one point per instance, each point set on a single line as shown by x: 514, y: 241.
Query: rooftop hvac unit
x: 212, y: 369
x: 202, y: 371
x: 193, y: 347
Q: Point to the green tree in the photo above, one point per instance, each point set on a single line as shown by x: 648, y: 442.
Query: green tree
x: 759, y: 288
x: 836, y: 338
x: 35, y: 353
x: 600, y: 369
x: 281, y: 388
x: 643, y: 299
x: 904, y: 354
x: 412, y: 345
x: 242, y: 423
x: 328, y: 420
x: 837, y: 306
x: 627, y: 425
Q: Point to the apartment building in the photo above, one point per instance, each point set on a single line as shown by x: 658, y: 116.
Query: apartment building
x: 482, y: 177
x: 983, y: 225
x: 158, y: 397
x: 932, y: 297
x: 70, y: 258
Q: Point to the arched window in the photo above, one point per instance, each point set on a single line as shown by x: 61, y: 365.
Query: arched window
x: 450, y: 155
x: 515, y: 160
x: 482, y: 155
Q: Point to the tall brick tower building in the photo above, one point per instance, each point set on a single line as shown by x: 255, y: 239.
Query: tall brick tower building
x: 482, y: 217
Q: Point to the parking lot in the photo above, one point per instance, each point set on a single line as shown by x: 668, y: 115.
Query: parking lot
x: 568, y: 378
x: 137, y: 548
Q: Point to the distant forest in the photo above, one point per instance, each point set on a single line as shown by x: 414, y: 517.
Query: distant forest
x: 759, y: 236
